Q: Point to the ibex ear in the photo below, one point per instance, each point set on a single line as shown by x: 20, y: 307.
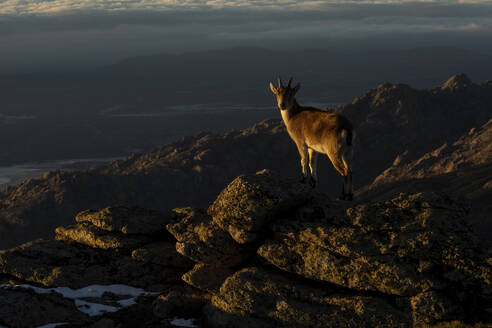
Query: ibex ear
x: 272, y: 87
x: 297, y: 87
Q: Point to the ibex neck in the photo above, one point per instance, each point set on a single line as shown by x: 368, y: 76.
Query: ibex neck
x: 288, y: 113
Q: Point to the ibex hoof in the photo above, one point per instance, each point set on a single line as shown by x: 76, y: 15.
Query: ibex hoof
x: 312, y: 182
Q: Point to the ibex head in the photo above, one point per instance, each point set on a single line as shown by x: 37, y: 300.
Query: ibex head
x: 286, y: 96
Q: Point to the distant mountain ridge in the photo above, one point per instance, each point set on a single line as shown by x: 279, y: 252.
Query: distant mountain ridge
x: 229, y: 76
x: 390, y: 120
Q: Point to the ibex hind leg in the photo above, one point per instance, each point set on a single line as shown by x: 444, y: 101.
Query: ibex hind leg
x: 340, y: 167
x: 347, y: 178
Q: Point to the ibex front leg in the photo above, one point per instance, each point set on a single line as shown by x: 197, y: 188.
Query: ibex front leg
x: 313, y: 167
x: 303, y: 153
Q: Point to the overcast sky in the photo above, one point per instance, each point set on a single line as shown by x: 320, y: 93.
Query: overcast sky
x: 39, y: 34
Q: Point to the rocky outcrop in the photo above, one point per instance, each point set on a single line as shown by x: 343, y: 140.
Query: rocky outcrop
x: 85, y: 254
x: 391, y: 120
x: 409, y: 261
x: 395, y: 247
x: 412, y: 260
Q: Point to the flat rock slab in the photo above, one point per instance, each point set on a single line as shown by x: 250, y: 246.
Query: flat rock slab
x: 88, y: 234
x: 21, y: 307
x: 255, y: 297
x: 56, y: 263
x: 128, y: 220
x: 251, y: 201
x: 203, y: 241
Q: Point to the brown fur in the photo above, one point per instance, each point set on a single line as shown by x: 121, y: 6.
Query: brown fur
x: 316, y: 131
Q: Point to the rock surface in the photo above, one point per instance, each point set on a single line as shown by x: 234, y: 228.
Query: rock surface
x: 405, y: 246
x: 180, y: 301
x: 415, y: 253
x: 203, y: 241
x: 85, y: 254
x: 254, y: 297
x: 251, y: 201
x: 24, y: 308
x: 87, y: 234
x: 134, y: 220
x: 409, y: 261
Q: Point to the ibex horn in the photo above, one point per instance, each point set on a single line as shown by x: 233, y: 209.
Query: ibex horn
x: 280, y: 83
x: 288, y: 84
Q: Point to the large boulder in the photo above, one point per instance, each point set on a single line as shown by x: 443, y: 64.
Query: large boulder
x: 255, y: 297
x: 203, y: 241
x: 409, y: 246
x: 251, y: 201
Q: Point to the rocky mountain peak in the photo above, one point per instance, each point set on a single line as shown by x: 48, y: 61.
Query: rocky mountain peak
x: 457, y: 82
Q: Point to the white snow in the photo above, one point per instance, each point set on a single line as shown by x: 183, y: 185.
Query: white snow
x: 180, y: 322
x: 94, y: 309
x: 90, y: 308
x: 89, y: 291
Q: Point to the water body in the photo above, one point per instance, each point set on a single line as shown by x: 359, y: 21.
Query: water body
x: 15, y: 174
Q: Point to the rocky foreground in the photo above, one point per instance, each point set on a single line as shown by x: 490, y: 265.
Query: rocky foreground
x: 268, y: 252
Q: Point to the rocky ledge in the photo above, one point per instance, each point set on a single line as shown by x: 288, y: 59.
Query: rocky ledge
x: 268, y: 252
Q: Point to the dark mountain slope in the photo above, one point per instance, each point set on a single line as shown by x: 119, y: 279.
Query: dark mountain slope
x: 462, y: 169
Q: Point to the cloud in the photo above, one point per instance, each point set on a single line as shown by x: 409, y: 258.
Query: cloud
x: 56, y: 7
x: 103, y: 31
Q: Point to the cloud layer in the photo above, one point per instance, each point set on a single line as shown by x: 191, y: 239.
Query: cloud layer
x: 51, y: 7
x: 94, y: 31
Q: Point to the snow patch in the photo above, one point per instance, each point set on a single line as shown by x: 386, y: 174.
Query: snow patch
x: 94, y: 291
x: 94, y: 309
x: 180, y: 322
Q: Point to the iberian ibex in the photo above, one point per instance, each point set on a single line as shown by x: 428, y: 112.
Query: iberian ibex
x: 316, y: 131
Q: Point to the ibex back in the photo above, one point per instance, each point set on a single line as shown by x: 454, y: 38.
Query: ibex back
x: 316, y: 131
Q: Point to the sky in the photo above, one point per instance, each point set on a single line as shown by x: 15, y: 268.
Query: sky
x: 66, y: 34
